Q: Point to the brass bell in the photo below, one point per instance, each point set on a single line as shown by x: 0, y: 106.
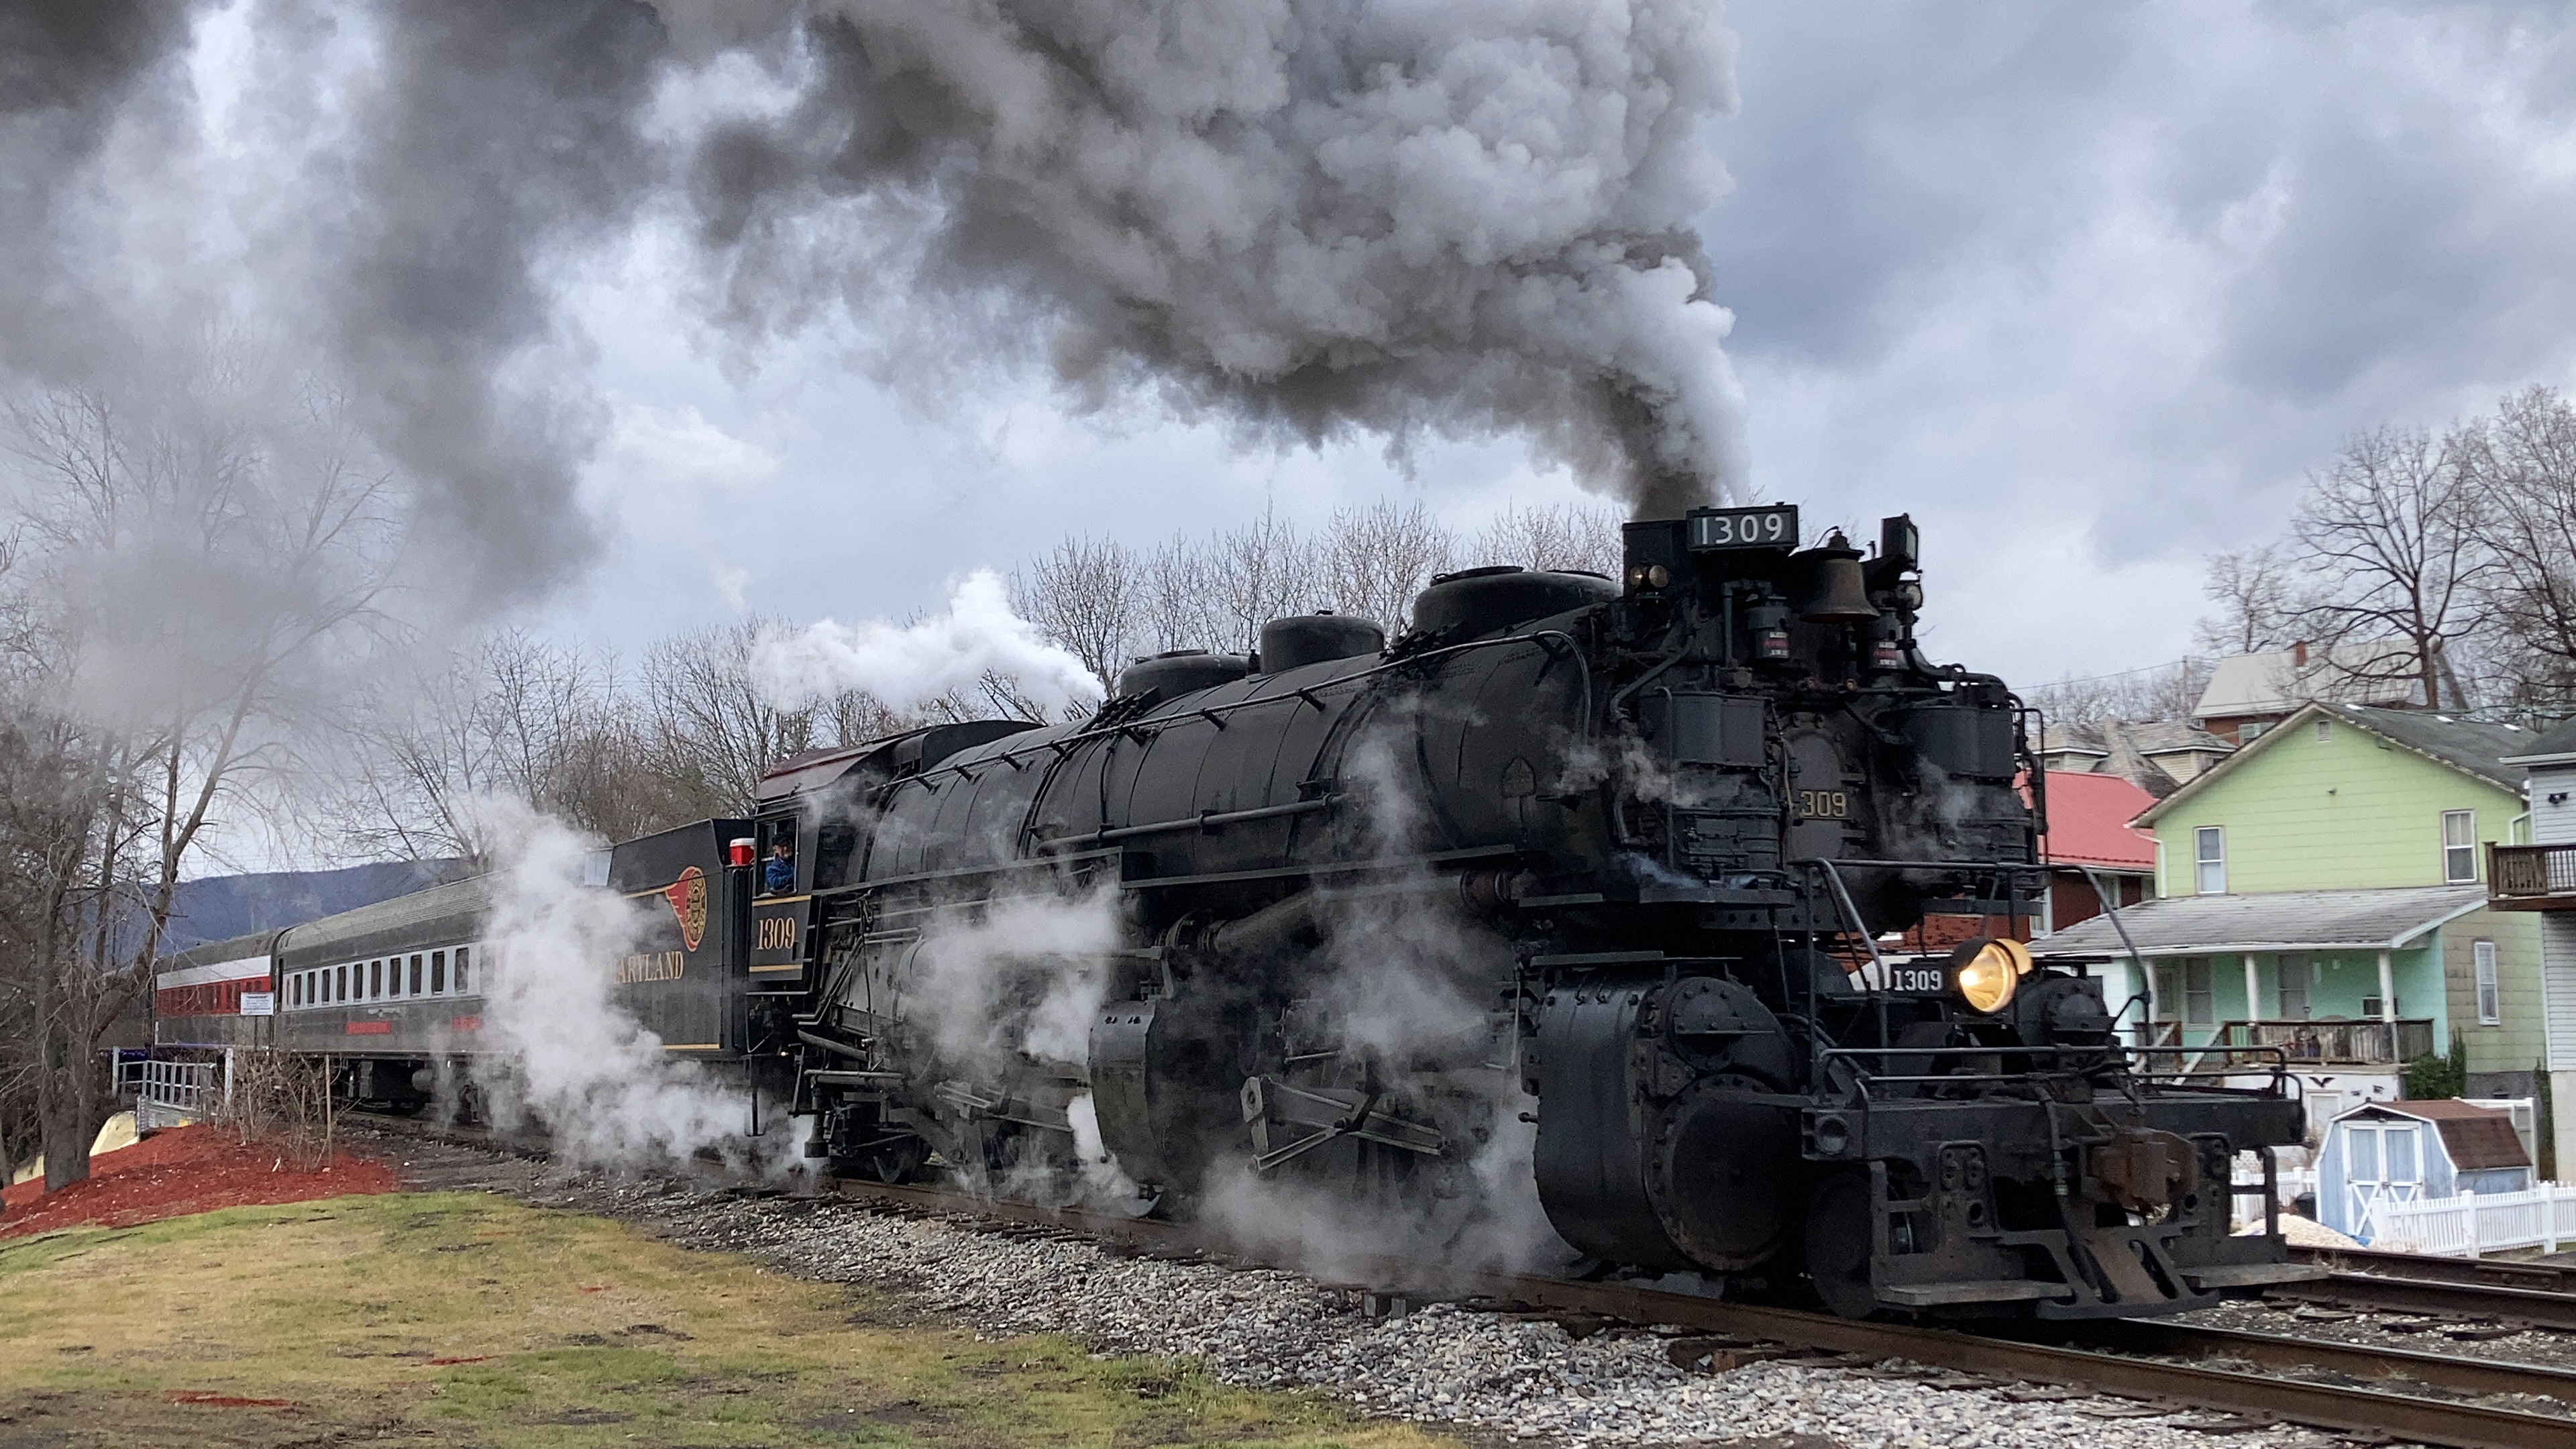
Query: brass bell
x: 1842, y: 594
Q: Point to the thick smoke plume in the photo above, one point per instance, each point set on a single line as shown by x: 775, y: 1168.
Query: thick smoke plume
x: 1304, y: 216
x: 381, y: 195
x: 566, y: 1056
x: 906, y: 666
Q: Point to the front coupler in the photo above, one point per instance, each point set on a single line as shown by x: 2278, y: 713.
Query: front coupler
x: 2107, y: 1208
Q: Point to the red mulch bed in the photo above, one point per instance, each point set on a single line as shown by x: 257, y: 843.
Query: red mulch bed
x: 183, y: 1170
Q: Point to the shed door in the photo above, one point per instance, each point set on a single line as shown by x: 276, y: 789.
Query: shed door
x: 2382, y: 1162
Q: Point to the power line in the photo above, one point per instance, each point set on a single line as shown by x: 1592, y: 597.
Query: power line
x: 2184, y: 663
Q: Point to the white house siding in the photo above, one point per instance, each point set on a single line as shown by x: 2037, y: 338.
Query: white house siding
x: 2553, y: 824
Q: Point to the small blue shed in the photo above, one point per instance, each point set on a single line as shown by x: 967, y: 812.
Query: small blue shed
x: 2407, y: 1151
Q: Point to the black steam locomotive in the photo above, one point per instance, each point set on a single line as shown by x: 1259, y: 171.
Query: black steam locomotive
x: 1612, y: 856
x: 1609, y: 860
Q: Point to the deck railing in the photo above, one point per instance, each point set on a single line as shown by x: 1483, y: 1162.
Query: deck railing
x: 2344, y: 1043
x: 2531, y: 877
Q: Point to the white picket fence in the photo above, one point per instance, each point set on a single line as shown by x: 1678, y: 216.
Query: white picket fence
x: 2475, y: 1223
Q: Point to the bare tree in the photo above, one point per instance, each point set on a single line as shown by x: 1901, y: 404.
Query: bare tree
x: 2136, y: 696
x: 2392, y: 536
x: 711, y: 731
x: 1085, y: 596
x: 1568, y: 536
x: 2522, y: 463
x: 1375, y: 560
x: 1258, y: 572
x: 189, y: 567
x: 518, y: 717
x: 1181, y: 602
x: 2256, y: 590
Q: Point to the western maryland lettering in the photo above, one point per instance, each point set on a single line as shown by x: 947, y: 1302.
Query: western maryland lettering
x: 652, y: 966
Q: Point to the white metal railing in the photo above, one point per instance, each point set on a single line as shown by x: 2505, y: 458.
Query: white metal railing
x: 2288, y: 1184
x: 2474, y: 1223
x: 173, y: 1093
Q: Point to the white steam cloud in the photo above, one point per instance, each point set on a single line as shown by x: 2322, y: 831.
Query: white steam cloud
x: 906, y: 666
x: 569, y: 1058
x: 1018, y: 979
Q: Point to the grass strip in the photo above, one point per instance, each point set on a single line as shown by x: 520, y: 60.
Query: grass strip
x: 472, y: 1319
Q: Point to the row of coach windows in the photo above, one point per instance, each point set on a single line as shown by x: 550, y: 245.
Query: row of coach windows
x: 386, y: 978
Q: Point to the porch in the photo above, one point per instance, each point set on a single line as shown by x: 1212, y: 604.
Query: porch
x: 2333, y: 1042
x: 2323, y: 976
x: 2531, y: 877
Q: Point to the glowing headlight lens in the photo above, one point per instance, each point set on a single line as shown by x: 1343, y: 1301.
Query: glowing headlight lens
x: 1987, y: 972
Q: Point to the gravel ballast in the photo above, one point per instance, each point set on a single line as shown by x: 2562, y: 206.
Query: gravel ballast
x: 1501, y: 1376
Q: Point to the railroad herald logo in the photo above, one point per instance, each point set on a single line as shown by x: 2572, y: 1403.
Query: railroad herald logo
x: 688, y: 898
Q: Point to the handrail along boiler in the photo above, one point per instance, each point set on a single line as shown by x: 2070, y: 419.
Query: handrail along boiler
x: 1650, y: 829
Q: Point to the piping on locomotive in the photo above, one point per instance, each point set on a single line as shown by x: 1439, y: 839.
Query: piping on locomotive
x: 1634, y: 840
x: 1668, y: 815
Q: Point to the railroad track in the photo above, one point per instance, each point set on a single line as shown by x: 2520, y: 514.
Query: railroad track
x: 2399, y: 1393
x: 2174, y: 1367
x: 2540, y: 1295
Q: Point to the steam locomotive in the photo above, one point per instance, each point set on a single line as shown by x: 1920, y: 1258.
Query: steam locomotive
x: 1592, y: 870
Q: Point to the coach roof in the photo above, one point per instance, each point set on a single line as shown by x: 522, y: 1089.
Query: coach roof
x: 440, y: 914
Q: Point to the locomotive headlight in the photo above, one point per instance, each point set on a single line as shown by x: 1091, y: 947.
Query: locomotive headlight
x: 1985, y: 972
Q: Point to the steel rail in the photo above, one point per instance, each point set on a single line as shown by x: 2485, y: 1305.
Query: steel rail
x: 2477, y: 1272
x: 2362, y: 1361
x: 2382, y: 1292
x: 2386, y: 1408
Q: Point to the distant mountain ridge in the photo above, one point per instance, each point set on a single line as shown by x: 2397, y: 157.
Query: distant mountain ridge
x: 219, y: 907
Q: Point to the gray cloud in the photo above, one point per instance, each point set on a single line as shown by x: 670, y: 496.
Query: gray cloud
x: 2089, y: 259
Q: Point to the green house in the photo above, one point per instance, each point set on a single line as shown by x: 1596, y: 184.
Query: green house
x: 2321, y: 891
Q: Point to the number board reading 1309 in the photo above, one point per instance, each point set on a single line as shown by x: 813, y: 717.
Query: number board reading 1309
x: 1772, y: 527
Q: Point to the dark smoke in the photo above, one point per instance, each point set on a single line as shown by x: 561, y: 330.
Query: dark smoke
x: 1307, y: 218
x: 504, y: 137
x: 68, y: 69
x: 378, y: 213
x: 1304, y: 216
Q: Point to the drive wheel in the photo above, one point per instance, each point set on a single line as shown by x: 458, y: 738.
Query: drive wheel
x: 1838, y: 1245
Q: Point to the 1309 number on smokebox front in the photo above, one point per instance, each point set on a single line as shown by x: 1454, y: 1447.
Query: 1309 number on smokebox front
x: 1916, y: 979
x: 1772, y: 527
x: 1820, y: 804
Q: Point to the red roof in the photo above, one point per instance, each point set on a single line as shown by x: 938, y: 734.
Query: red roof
x: 2088, y: 822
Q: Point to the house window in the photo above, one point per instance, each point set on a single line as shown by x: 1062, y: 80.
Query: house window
x: 2490, y: 998
x: 2209, y: 859
x: 2199, y: 1006
x: 2325, y: 731
x: 2459, y: 847
x: 2246, y: 732
x: 2293, y: 972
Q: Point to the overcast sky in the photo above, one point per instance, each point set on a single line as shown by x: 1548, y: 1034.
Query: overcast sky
x: 2084, y: 287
